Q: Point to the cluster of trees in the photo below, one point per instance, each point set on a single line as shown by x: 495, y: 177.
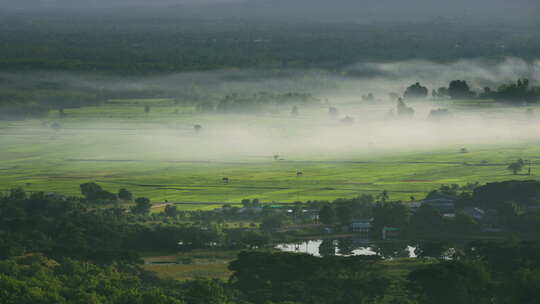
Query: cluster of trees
x: 56, y: 249
x: 300, y: 278
x: 512, y: 209
x: 519, y: 92
x: 95, y: 194
x: 516, y: 166
x: 38, y: 279
x: 524, y: 193
x: 259, y: 102
x: 416, y: 91
x: 513, y: 205
x: 97, y: 228
x: 70, y: 227
x: 34, y: 99
x: 459, y: 89
x: 343, y: 211
x: 17, y: 102
x: 34, y: 278
x: 480, y: 272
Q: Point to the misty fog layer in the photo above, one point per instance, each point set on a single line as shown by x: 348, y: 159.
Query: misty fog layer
x: 296, y: 140
x: 311, y: 134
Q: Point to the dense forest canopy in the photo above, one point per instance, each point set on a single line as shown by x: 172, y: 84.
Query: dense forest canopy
x: 57, y: 249
x: 142, y: 45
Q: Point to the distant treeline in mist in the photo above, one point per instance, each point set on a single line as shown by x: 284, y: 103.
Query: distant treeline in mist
x: 516, y: 92
x: 21, y: 102
x: 122, y: 45
x: 32, y: 99
x: 256, y: 103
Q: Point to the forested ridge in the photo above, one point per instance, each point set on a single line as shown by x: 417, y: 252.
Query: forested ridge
x: 126, y: 45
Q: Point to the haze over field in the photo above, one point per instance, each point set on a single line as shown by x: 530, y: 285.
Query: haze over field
x: 247, y: 140
x: 125, y: 132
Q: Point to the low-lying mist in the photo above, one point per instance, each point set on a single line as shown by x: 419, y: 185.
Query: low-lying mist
x: 314, y: 135
x: 356, y: 128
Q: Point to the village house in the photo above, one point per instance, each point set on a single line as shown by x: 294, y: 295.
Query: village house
x: 362, y: 227
x: 390, y: 233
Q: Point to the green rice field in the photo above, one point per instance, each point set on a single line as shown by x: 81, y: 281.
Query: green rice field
x: 113, y: 145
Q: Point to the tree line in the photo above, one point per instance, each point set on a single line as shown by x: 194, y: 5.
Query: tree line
x: 57, y: 249
x: 520, y: 91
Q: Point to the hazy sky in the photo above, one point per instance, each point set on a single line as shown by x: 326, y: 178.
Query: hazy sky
x: 514, y: 11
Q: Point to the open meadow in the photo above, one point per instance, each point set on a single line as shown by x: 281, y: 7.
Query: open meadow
x: 158, y: 154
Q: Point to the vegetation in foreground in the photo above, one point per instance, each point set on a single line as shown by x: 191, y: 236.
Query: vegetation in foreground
x: 485, y: 273
x: 58, y: 249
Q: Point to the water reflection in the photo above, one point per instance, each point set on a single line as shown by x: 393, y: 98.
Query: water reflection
x: 349, y: 247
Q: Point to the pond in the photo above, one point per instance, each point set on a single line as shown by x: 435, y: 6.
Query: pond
x: 350, y: 247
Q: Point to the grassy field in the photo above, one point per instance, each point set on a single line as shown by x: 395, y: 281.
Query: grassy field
x: 119, y: 146
x: 214, y: 264
x: 202, y: 264
x: 191, y: 271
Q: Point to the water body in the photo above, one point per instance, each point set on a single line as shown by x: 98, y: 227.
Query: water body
x: 350, y: 247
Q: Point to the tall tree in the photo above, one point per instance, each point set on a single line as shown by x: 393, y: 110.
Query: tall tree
x: 124, y: 194
x: 426, y: 221
x: 459, y: 89
x: 142, y: 206
x: 516, y: 166
x: 390, y: 214
x: 327, y: 215
x: 416, y: 91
